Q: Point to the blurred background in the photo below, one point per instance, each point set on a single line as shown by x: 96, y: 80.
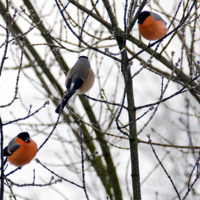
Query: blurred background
x: 39, y: 44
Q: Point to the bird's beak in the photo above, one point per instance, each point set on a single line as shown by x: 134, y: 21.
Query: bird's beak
x: 28, y: 140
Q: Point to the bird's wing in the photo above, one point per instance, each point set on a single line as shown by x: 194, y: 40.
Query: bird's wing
x: 8, y: 151
x: 78, y: 83
x: 12, y: 146
x: 158, y: 17
x: 74, y: 83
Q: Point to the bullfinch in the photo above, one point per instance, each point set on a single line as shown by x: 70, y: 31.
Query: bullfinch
x: 151, y: 25
x: 20, y: 150
x: 80, y: 79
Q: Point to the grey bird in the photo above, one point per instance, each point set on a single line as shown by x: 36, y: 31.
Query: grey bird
x: 80, y: 80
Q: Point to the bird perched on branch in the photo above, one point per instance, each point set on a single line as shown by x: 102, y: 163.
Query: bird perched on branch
x: 151, y: 25
x: 80, y: 79
x: 20, y: 150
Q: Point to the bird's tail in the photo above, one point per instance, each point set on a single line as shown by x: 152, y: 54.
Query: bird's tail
x: 61, y: 106
x: 64, y: 102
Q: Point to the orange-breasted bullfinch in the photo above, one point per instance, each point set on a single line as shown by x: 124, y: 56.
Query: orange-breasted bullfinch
x: 80, y: 79
x: 21, y: 150
x: 151, y: 25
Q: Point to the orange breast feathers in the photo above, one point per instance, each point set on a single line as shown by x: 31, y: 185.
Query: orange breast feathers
x: 24, y: 154
x: 152, y: 29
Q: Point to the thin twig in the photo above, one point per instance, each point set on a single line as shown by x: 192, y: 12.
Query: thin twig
x: 176, y: 93
x: 37, y: 160
x: 132, y: 22
x: 37, y: 185
x: 13, y: 171
x: 10, y: 187
x: 81, y: 33
x: 18, y: 75
x: 7, y: 37
x: 163, y: 167
x: 74, y: 33
x: 82, y: 160
x: 28, y: 115
x: 54, y: 127
x: 2, y: 161
x: 150, y: 109
x: 103, y: 101
x: 195, y: 180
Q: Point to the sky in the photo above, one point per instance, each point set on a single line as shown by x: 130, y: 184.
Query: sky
x: 62, y: 152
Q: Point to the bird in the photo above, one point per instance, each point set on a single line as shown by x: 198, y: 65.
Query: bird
x: 79, y: 80
x: 151, y: 25
x: 20, y: 150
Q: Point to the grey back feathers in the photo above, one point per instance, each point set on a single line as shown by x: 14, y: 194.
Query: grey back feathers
x: 80, y: 69
x: 157, y: 17
x: 11, y: 147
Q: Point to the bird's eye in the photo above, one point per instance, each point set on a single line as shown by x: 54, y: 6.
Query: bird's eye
x: 27, y: 140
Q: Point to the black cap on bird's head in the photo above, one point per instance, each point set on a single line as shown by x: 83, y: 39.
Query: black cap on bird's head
x: 24, y: 136
x: 83, y: 57
x: 142, y: 16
